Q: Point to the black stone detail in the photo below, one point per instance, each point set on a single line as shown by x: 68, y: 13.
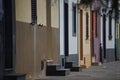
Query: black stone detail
x: 110, y: 55
x: 55, y: 70
x: 14, y: 76
x: 72, y: 67
x: 70, y: 58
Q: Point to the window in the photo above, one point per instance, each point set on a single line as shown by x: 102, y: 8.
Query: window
x: 34, y: 11
x: 96, y: 34
x: 110, y: 27
x: 81, y: 34
x: 87, y: 26
x: 74, y: 20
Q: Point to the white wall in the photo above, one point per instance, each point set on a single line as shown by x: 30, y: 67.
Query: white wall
x: 72, y: 40
x: 109, y: 43
x: 61, y: 25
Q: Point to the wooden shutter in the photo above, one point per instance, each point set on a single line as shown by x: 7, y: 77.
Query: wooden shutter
x: 96, y: 29
x: 87, y: 26
x: 81, y: 34
x: 34, y: 11
x: 110, y: 27
x: 74, y: 20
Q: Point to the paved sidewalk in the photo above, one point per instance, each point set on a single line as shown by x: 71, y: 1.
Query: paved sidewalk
x: 107, y: 71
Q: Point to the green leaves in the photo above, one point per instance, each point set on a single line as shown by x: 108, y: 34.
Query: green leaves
x: 115, y: 5
x: 86, y: 2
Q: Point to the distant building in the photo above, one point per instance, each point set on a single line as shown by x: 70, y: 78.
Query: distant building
x: 107, y: 32
x: 68, y: 25
x: 118, y: 36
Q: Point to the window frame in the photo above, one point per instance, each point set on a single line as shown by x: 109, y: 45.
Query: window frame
x: 87, y: 25
x: 74, y: 20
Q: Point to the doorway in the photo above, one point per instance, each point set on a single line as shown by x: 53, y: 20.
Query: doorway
x: 9, y: 43
x: 66, y: 32
x: 104, y: 36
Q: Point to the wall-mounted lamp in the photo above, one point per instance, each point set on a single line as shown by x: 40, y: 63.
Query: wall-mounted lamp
x: 41, y: 25
x: 32, y: 23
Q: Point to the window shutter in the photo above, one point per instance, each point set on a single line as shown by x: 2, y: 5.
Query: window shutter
x: 87, y: 26
x: 96, y: 29
x: 81, y: 34
x: 74, y: 20
x: 34, y: 11
x: 110, y: 27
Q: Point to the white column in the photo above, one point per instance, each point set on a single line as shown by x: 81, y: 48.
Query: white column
x: 61, y: 25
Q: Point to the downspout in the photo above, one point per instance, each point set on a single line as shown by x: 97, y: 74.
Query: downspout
x: 49, y: 54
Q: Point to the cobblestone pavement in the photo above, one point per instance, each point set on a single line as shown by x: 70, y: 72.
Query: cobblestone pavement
x: 107, y: 71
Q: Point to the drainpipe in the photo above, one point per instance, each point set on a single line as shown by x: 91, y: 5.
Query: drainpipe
x: 49, y: 54
x: 34, y: 24
x: 35, y: 46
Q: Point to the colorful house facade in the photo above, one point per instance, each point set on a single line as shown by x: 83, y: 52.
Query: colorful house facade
x: 117, y: 41
x: 107, y: 33
x: 96, y: 32
x: 37, y: 36
x: 68, y: 30
x: 85, y: 36
x: 37, y: 31
x: 31, y: 37
x: 118, y: 36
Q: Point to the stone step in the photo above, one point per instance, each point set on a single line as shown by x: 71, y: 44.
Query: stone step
x: 68, y: 64
x: 59, y: 72
x: 72, y: 67
x: 55, y: 70
x: 52, y: 67
x: 66, y: 71
x: 75, y: 69
x: 14, y: 76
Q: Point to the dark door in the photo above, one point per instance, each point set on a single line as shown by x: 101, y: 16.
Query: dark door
x: 1, y: 49
x: 66, y: 42
x: 92, y: 35
x: 104, y: 36
x: 81, y: 34
x: 9, y: 27
x: 1, y: 41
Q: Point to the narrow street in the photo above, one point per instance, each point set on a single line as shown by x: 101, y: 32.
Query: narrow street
x: 107, y: 71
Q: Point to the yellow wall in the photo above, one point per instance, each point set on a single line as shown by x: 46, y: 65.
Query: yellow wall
x: 23, y: 10
x: 25, y: 38
x: 86, y: 43
x: 41, y: 12
x: 24, y: 49
x: 54, y: 14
